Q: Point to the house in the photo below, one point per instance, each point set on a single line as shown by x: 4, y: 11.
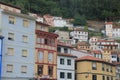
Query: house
x: 79, y: 35
x: 97, y: 53
x: 117, y: 70
x: 59, y: 22
x: 93, y: 42
x: 45, y: 53
x: 91, y: 68
x: 48, y: 19
x: 83, y: 46
x: 65, y: 62
x: 108, y: 44
x: 62, y: 34
x: 112, y: 29
x: 18, y: 46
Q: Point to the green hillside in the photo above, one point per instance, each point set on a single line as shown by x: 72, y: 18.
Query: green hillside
x: 85, y: 9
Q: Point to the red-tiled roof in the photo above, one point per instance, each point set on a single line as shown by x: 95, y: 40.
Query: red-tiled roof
x: 91, y: 58
x: 106, y: 40
x: 67, y: 55
x: 96, y: 51
x: 64, y: 44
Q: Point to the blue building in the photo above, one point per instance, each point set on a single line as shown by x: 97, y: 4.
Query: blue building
x: 19, y: 42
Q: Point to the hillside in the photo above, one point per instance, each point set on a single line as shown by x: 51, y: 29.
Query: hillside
x: 89, y: 9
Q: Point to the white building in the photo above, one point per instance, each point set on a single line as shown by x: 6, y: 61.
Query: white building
x: 112, y: 29
x: 65, y: 63
x: 59, y: 22
x: 19, y: 42
x: 93, y: 43
x: 79, y: 35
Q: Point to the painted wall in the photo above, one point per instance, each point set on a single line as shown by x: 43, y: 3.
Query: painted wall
x: 85, y: 72
x: 17, y: 60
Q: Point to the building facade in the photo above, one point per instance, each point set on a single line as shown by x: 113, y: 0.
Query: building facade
x: 18, y: 47
x: 96, y: 69
x: 79, y: 35
x: 112, y: 29
x: 65, y: 63
x: 45, y: 53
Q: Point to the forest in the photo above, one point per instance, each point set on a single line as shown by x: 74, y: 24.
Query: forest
x: 83, y: 9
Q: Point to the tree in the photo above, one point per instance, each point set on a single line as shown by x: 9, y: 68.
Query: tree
x: 79, y: 20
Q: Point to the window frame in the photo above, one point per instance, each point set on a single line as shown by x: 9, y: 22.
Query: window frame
x: 62, y: 61
x: 9, y: 68
x: 62, y: 75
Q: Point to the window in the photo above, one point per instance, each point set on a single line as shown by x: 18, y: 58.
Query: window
x: 69, y: 75
x: 25, y: 23
x: 59, y: 49
x: 25, y: 38
x: 50, y: 70
x: 61, y: 61
x: 50, y: 56
x: 65, y: 50
x: 11, y: 36
x: 103, y: 77
x: 111, y: 78
x: 11, y: 20
x: 46, y: 41
x: 10, y: 51
x: 40, y: 69
x: 9, y: 68
x: 38, y: 40
x: 108, y: 78
x: 62, y: 75
x: 103, y: 67
x: 110, y: 68
x: 23, y: 69
x: 24, y: 53
x: 94, y: 77
x: 94, y: 66
x: 107, y: 68
x: 68, y: 62
x: 40, y: 55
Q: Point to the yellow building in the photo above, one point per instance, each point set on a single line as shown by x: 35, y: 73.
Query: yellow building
x: 91, y: 68
x: 106, y: 53
x: 46, y: 53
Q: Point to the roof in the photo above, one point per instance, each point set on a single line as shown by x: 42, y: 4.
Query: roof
x: 18, y: 14
x: 106, y: 40
x: 83, y: 44
x: 65, y: 45
x: 66, y: 55
x: 9, y: 5
x: 91, y: 58
x: 97, y: 51
x: 44, y: 24
x: 108, y: 22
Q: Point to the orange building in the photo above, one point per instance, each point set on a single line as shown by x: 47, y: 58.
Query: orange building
x: 46, y: 53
